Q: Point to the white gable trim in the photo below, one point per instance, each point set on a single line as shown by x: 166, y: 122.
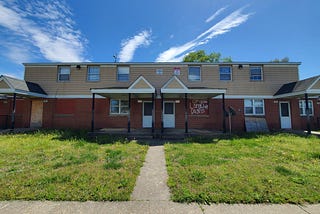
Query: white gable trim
x: 170, y: 80
x: 141, y: 78
x: 7, y: 82
x: 318, y: 79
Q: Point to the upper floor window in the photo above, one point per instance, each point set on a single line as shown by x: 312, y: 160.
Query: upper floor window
x: 63, y: 73
x: 253, y: 107
x: 302, y: 107
x: 225, y: 72
x: 119, y: 106
x: 194, y: 74
x: 255, y: 73
x: 93, y: 73
x: 123, y: 73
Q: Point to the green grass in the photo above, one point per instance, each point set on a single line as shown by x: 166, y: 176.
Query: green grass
x: 279, y: 168
x: 67, y: 165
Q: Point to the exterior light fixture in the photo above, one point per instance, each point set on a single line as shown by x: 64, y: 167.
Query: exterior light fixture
x: 78, y: 67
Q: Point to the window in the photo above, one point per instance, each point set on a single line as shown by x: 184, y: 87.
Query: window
x: 159, y: 71
x: 302, y: 107
x: 194, y: 74
x: 93, y: 73
x: 63, y: 73
x: 123, y: 74
x: 119, y: 107
x: 255, y: 73
x: 253, y: 107
x: 225, y: 72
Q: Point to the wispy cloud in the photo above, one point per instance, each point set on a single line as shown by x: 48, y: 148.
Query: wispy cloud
x: 177, y: 53
x: 44, y: 26
x: 217, y: 13
x: 129, y: 46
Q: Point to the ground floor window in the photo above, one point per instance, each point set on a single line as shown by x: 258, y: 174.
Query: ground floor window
x: 302, y: 107
x: 253, y: 107
x: 119, y: 106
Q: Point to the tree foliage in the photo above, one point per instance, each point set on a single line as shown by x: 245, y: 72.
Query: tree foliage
x: 285, y: 59
x: 201, y: 56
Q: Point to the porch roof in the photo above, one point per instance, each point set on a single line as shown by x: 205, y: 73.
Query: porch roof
x: 141, y: 87
x: 309, y: 86
x: 10, y: 85
x: 175, y: 88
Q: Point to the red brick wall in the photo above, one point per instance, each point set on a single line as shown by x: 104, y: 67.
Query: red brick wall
x: 300, y: 122
x: 272, y: 114
x: 237, y: 121
x: 22, y: 115
x: 76, y: 113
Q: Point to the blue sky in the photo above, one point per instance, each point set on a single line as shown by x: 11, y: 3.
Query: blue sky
x: 152, y: 31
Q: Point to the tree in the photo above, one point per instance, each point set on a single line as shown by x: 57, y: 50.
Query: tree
x: 285, y: 59
x: 201, y: 56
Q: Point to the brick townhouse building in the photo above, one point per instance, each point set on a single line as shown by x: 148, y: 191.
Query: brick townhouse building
x: 242, y: 96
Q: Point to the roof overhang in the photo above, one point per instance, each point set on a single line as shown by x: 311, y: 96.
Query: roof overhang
x: 175, y: 88
x: 123, y: 93
x: 310, y: 92
x: 11, y: 88
x: 21, y: 92
x: 9, y: 91
x: 310, y: 86
x: 140, y: 88
x: 193, y: 93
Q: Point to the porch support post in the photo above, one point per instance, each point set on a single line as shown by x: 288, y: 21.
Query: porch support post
x: 153, y: 113
x: 13, y: 114
x: 307, y: 112
x: 162, y: 97
x: 92, y: 112
x: 129, y: 104
x: 223, y: 114
x: 186, y: 113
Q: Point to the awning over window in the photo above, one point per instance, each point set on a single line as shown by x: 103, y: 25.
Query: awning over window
x: 10, y: 85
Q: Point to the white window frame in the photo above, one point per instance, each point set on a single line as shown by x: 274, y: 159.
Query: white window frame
x: 254, y: 111
x: 64, y: 70
x: 225, y: 66
x: 198, y: 78
x: 93, y: 73
x: 120, y: 106
x: 123, y: 70
x: 252, y: 76
x: 302, y: 107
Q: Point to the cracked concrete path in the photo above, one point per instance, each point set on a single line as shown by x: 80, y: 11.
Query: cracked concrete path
x: 151, y: 184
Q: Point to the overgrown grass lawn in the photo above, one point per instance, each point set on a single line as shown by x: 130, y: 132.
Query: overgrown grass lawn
x: 279, y: 168
x: 65, y: 165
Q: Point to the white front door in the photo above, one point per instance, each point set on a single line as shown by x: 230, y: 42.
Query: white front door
x: 285, y: 117
x: 147, y: 115
x: 168, y: 114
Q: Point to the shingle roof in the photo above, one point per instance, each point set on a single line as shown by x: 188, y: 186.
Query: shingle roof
x: 298, y: 86
x: 22, y: 85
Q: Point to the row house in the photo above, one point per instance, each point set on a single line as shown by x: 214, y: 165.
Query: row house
x: 237, y: 96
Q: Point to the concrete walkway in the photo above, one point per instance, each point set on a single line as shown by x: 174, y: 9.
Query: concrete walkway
x: 154, y: 207
x: 151, y: 184
x: 150, y: 195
